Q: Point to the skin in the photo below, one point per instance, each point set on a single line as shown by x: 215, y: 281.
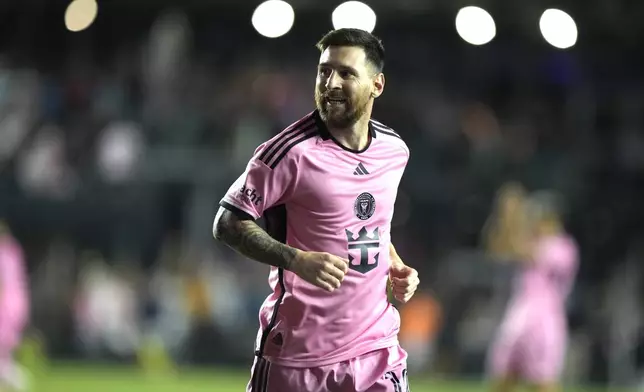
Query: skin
x: 342, y: 73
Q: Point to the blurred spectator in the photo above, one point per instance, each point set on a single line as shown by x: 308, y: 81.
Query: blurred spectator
x: 43, y: 169
x: 106, y: 311
x: 120, y: 150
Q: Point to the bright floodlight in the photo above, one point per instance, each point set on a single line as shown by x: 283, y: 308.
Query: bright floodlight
x: 354, y: 14
x: 80, y: 14
x: 475, y: 25
x: 273, y: 18
x: 558, y: 28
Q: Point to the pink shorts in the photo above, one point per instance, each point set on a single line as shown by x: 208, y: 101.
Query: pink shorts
x: 535, y: 352
x: 378, y: 371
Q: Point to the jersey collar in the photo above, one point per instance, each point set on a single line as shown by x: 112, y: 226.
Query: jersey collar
x: 326, y: 135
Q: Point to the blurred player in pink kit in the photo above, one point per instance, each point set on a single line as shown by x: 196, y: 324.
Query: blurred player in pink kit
x: 14, y: 308
x: 326, y: 187
x: 532, y: 339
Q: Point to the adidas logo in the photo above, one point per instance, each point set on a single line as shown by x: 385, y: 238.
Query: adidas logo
x: 360, y: 170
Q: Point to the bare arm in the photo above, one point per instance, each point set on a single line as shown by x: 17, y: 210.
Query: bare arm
x: 247, y: 238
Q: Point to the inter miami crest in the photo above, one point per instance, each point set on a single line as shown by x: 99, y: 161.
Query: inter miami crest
x: 364, y: 206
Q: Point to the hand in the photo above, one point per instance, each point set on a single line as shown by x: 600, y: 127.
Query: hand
x: 404, y: 281
x: 321, y: 269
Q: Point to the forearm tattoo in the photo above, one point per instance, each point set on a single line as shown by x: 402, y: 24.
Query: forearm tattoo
x: 249, y: 239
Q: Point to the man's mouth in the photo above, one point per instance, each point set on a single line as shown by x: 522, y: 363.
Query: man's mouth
x: 335, y: 101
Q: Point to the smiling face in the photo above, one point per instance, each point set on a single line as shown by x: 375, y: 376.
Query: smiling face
x: 346, y: 85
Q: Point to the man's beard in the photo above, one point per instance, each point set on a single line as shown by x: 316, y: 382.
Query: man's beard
x: 340, y: 117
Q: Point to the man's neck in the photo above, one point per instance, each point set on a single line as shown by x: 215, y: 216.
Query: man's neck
x: 355, y: 137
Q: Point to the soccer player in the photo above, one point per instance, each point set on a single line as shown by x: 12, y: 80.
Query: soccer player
x: 326, y: 187
x: 14, y: 309
x: 531, y: 342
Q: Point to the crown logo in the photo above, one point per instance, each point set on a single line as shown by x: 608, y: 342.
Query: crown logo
x: 363, y: 235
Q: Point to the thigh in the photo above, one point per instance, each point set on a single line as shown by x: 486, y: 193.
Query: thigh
x: 381, y: 371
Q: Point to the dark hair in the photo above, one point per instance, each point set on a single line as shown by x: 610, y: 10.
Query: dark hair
x: 372, y: 46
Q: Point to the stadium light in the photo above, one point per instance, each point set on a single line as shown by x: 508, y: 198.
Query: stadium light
x: 558, y: 28
x: 354, y: 14
x: 273, y: 18
x: 80, y: 14
x: 475, y: 25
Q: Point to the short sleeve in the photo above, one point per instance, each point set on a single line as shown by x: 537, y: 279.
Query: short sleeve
x: 259, y: 188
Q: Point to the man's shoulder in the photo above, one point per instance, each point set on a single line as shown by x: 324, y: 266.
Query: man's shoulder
x: 388, y: 135
x: 290, y: 143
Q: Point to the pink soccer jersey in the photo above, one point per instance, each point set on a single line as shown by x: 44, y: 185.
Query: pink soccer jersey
x: 14, y: 302
x: 550, y: 278
x: 316, y: 195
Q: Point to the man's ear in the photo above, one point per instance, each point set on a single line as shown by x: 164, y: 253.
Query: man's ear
x: 378, y: 85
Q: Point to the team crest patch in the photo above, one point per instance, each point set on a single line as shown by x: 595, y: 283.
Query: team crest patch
x: 364, y: 206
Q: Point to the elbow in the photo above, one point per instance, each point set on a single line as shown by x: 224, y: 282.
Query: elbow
x: 216, y: 231
x: 219, y: 224
x: 227, y: 226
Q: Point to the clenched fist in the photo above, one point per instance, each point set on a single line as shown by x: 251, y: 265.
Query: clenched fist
x: 320, y: 268
x: 404, y: 282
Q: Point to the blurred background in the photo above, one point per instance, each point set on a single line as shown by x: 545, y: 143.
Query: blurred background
x: 123, y: 123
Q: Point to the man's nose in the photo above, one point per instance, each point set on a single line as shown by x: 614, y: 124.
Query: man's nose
x: 333, y: 81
